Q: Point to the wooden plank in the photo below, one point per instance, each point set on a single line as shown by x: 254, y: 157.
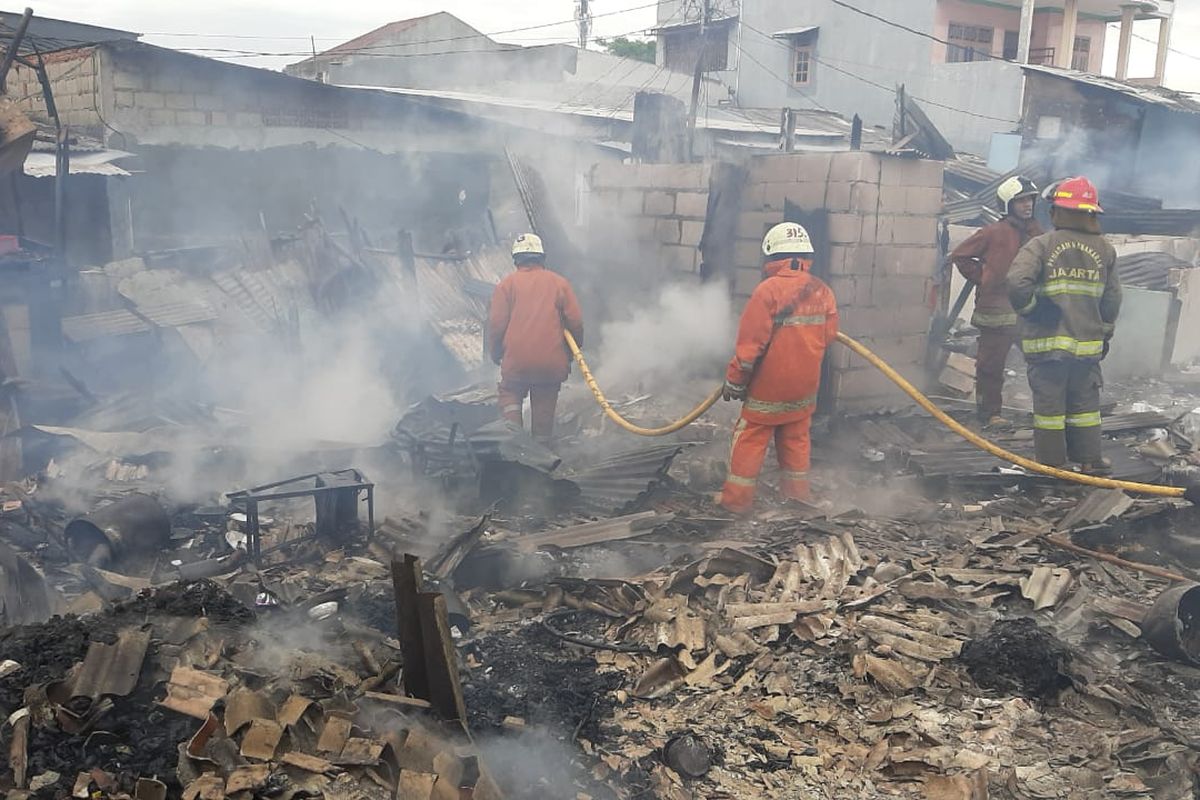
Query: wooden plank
x: 441, y: 658
x: 407, y: 585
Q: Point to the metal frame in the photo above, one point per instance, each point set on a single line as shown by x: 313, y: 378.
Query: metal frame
x: 249, y: 499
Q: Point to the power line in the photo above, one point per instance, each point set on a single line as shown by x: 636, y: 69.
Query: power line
x: 772, y: 73
x: 79, y: 42
x: 1170, y: 49
x: 868, y: 81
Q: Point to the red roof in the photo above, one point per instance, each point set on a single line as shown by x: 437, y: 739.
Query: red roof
x: 382, y: 34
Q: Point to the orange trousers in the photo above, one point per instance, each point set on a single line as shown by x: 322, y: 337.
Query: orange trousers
x: 793, y: 448
x: 543, y: 401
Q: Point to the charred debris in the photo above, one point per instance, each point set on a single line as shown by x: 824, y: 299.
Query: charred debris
x: 262, y: 536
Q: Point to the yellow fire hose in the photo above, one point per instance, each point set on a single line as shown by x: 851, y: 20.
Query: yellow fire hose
x: 911, y: 391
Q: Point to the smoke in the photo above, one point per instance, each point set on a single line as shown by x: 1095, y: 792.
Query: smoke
x: 686, y: 332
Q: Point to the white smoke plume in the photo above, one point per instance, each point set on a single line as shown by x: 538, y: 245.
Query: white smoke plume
x: 686, y: 332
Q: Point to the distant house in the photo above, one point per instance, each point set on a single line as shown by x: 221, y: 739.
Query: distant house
x: 962, y: 57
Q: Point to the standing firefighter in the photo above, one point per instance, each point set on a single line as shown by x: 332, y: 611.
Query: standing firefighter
x: 1064, y: 286
x: 530, y: 309
x: 788, y: 322
x: 984, y: 259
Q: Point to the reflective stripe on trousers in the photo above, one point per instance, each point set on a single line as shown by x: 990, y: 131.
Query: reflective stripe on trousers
x: 750, y: 441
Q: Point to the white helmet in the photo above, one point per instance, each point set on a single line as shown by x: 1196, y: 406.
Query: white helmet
x: 787, y: 238
x: 528, y: 243
x: 1014, y: 188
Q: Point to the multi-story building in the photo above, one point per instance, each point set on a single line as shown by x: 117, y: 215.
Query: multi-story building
x: 963, y: 58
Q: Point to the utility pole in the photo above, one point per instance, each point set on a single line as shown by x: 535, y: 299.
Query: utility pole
x: 583, y: 16
x: 697, y: 76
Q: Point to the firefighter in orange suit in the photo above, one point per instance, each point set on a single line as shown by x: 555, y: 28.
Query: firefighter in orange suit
x: 786, y: 325
x: 530, y: 309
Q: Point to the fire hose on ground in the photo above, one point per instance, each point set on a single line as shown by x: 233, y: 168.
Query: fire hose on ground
x: 937, y: 413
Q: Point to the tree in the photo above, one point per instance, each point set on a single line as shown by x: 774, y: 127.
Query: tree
x: 640, y: 49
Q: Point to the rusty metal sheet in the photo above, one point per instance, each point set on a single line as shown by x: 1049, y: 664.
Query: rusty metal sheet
x: 359, y: 752
x: 1046, y: 586
x: 890, y: 674
x: 293, y: 709
x: 206, y: 787
x: 247, y: 778
x: 416, y: 785
x: 307, y: 762
x: 110, y: 669
x: 334, y: 735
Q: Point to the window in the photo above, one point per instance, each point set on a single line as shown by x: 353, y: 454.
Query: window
x: 1082, y: 59
x: 1012, y: 43
x: 802, y: 65
x: 969, y: 43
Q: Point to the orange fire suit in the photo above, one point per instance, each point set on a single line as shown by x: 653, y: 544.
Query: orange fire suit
x: 530, y: 309
x: 786, y: 325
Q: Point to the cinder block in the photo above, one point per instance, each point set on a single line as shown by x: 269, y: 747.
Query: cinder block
x: 905, y: 349
x: 854, y: 166
x: 892, y: 170
x: 775, y: 168
x: 164, y: 117
x: 927, y: 173
x: 208, y: 102
x: 614, y: 175
x: 864, y: 197
x: 752, y: 195
x: 854, y: 259
x: 814, y: 168
x: 920, y: 262
x: 191, y: 117
x: 747, y: 253
x: 897, y: 291
x: 837, y: 196
x: 674, y: 176
x: 923, y: 200
x: 219, y: 118
x: 861, y: 382
x: 775, y: 195
x: 675, y: 258
x: 913, y: 319
x: 149, y: 100
x: 659, y: 204
x: 851, y: 291
x: 745, y: 281
x: 667, y: 231
x: 248, y: 119
x: 693, y: 205
x: 754, y: 224
x: 914, y: 230
x: 628, y: 201
x: 691, y: 233
x: 645, y: 228
x: 181, y: 101
x: 892, y: 198
x: 845, y: 228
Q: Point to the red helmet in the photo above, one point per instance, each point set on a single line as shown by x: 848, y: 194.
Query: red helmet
x: 1078, y: 194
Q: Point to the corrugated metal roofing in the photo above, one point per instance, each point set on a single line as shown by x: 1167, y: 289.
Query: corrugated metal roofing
x: 1150, y: 95
x: 87, y: 327
x: 617, y: 483
x: 44, y: 165
x: 1149, y: 270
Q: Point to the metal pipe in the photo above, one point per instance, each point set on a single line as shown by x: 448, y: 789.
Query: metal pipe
x: 10, y: 55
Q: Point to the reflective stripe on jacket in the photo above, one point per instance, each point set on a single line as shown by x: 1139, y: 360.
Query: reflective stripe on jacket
x: 994, y: 246
x: 530, y: 309
x: 1075, y: 270
x: 785, y: 327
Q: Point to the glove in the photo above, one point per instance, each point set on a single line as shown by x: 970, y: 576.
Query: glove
x: 1192, y: 494
x: 733, y: 391
x: 1104, y: 350
x: 1046, y: 313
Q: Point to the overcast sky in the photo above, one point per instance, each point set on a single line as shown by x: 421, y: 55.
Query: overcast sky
x: 284, y: 26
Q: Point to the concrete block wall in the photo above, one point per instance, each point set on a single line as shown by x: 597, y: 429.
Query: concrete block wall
x: 882, y: 253
x: 73, y: 81
x: 662, y: 206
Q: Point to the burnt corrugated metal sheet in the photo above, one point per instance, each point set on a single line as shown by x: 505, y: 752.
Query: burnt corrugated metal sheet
x: 617, y: 483
x: 87, y: 327
x: 111, y: 669
x: 1149, y: 270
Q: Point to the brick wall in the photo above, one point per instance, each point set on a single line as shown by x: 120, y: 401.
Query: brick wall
x: 662, y: 205
x: 882, y: 253
x: 75, y: 86
x: 881, y: 243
